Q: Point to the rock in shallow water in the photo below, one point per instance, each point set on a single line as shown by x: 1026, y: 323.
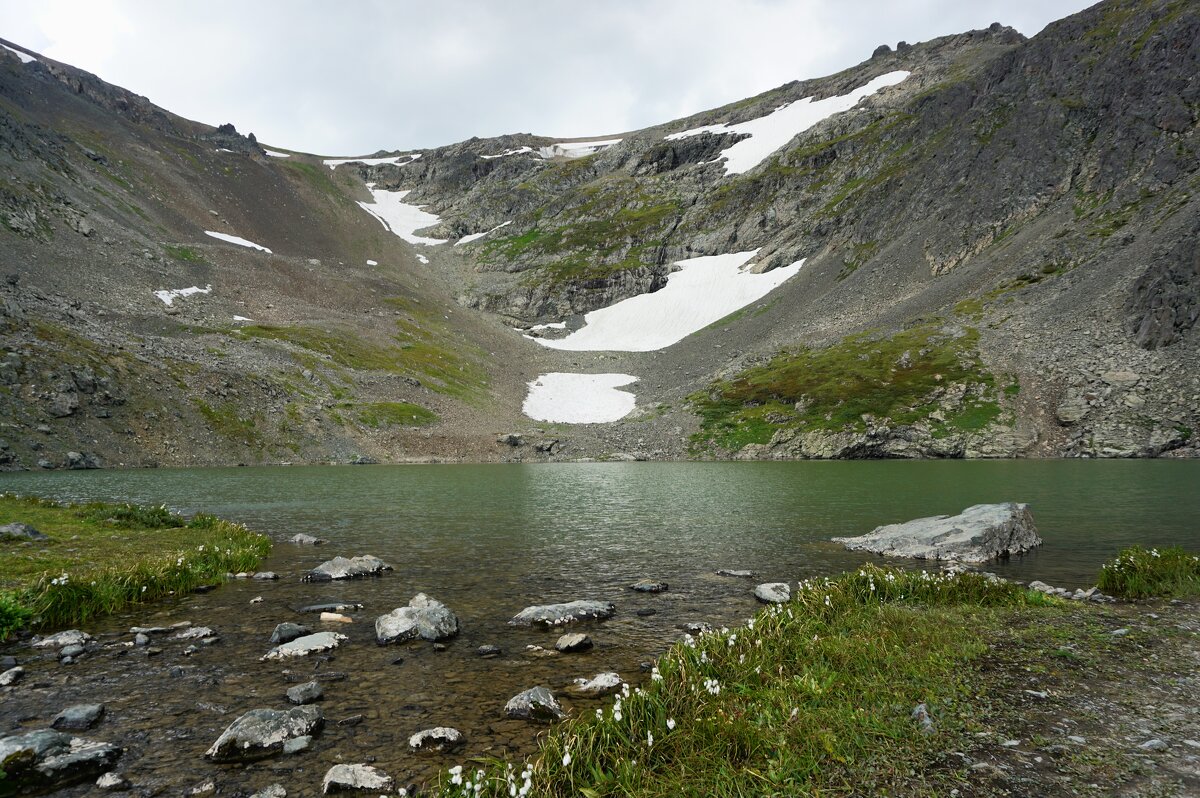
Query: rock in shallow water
x: 773, y: 592
x: 600, y: 684
x: 46, y: 760
x: 302, y: 539
x: 347, y: 568
x: 573, y: 643
x: 424, y: 617
x: 287, y: 632
x: 305, y: 693
x: 977, y: 534
x: 556, y: 614
x: 309, y: 644
x: 536, y: 703
x: 11, y: 676
x: 438, y: 739
x: 78, y: 717
x: 71, y: 637
x: 352, y: 778
x: 262, y: 732
x: 648, y: 586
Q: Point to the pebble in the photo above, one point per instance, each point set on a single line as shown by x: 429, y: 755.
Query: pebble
x: 489, y: 651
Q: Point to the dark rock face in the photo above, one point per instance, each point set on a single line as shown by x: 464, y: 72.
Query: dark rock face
x: 1164, y: 302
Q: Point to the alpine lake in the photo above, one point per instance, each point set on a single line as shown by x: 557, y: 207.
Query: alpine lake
x: 489, y: 540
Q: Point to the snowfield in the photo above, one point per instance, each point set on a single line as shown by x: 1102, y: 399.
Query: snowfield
x: 399, y: 217
x: 517, y: 151
x: 241, y: 242
x: 25, y: 57
x: 275, y: 154
x: 575, y: 149
x: 170, y: 295
x: 704, y: 290
x: 334, y: 163
x: 579, y: 398
x: 769, y: 133
x: 476, y: 236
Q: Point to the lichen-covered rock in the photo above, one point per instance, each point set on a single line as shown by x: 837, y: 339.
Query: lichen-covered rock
x: 648, y: 586
x: 557, y: 614
x: 49, y: 760
x: 347, y: 568
x: 262, y: 732
x: 71, y: 637
x: 355, y: 778
x: 438, y: 739
x: 536, y: 703
x: 424, y: 617
x: 309, y: 644
x: 773, y: 592
x: 978, y: 534
x: 573, y: 642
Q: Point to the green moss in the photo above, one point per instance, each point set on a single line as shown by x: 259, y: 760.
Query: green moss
x: 185, y: 254
x: 398, y: 414
x: 225, y: 421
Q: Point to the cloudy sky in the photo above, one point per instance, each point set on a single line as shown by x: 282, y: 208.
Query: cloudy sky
x: 356, y: 76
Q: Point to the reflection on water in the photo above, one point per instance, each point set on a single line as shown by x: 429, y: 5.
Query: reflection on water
x: 490, y: 539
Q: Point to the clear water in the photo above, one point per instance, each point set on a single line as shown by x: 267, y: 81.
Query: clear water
x: 488, y: 540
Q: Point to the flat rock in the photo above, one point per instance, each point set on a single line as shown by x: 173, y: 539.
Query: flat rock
x: 424, y: 617
x: 573, y: 642
x: 47, y: 760
x: 600, y: 684
x: 78, y: 717
x: 193, y: 633
x: 347, y: 568
x: 262, y: 732
x: 978, y: 534
x: 437, y: 739
x: 303, y: 646
x: 355, y: 778
x: 536, y: 703
x: 735, y: 574
x: 287, y: 632
x: 648, y: 586
x: 331, y: 607
x: 557, y: 614
x: 302, y: 539
x: 297, y: 745
x: 71, y: 637
x: 272, y: 791
x: 773, y: 592
x: 150, y: 630
x: 305, y: 693
x: 19, y: 531
x: 266, y: 576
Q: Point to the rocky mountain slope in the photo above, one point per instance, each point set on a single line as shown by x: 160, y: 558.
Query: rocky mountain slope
x: 999, y: 242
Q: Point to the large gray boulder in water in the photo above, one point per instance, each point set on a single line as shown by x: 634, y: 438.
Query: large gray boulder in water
x: 536, y: 703
x: 262, y: 732
x: 45, y: 760
x: 303, y: 646
x: 347, y: 568
x: 557, y: 614
x: 978, y: 534
x: 424, y: 617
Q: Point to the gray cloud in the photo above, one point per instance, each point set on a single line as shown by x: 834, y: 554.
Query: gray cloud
x: 350, y: 78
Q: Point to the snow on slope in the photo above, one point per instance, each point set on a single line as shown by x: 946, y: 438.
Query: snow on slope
x: 241, y: 242
x: 25, y: 57
x: 704, y: 290
x: 399, y: 217
x: 517, y: 151
x: 275, y: 154
x: 334, y: 163
x: 170, y: 295
x: 575, y: 149
x: 579, y: 398
x: 476, y: 236
x: 769, y: 133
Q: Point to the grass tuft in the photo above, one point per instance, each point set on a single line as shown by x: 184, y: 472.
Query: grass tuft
x: 1138, y: 573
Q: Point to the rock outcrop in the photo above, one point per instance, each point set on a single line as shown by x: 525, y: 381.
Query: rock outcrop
x: 980, y: 533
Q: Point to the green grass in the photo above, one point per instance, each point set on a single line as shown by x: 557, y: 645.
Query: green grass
x: 896, y: 378
x: 101, y: 558
x: 398, y: 414
x: 813, y: 697
x: 183, y: 253
x: 1138, y: 573
x: 225, y: 421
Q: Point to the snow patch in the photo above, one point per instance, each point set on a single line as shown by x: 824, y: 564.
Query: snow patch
x: 25, y: 57
x: 334, y: 163
x: 422, y: 258
x: 170, y: 295
x: 704, y: 290
x: 553, y: 325
x: 275, y: 154
x: 372, y: 263
x: 517, y: 151
x: 575, y: 149
x: 241, y: 242
x: 769, y: 133
x: 399, y: 217
x: 476, y: 236
x: 242, y: 318
x: 579, y: 398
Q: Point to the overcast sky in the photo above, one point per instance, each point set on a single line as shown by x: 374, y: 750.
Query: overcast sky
x: 356, y: 76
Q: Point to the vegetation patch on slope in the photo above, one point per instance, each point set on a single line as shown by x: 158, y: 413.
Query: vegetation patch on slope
x: 101, y: 557
x: 394, y: 414
x: 861, y: 380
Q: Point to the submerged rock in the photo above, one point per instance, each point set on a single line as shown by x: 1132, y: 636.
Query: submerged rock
x: 262, y: 732
x: 302, y: 539
x: 303, y: 646
x: 773, y: 592
x: 489, y: 651
x: 648, y: 586
x: 600, y: 684
x: 573, y: 643
x: 347, y: 568
x: 78, y: 717
x: 424, y: 617
x: 556, y: 614
x: 305, y: 693
x: 350, y: 778
x: 978, y: 534
x: 194, y: 633
x: 735, y: 574
x: 536, y: 703
x: 437, y: 739
x: 49, y: 760
x: 287, y: 632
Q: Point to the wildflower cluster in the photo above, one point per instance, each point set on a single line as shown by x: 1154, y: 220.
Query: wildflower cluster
x: 1141, y: 573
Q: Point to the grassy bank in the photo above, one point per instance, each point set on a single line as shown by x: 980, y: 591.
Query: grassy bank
x: 818, y: 696
x: 100, y: 558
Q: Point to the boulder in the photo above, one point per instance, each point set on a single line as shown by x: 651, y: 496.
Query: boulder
x: 78, y: 717
x: 438, y: 739
x: 71, y: 637
x: 573, y: 643
x: 305, y: 693
x: 536, y: 703
x: 347, y: 568
x: 648, y: 586
x: 12, y: 676
x: 424, y: 617
x: 19, y: 531
x: 557, y: 614
x: 287, y: 632
x: 46, y: 760
x: 303, y: 646
x: 355, y: 778
x: 262, y: 732
x: 302, y: 539
x: 773, y: 592
x: 978, y: 534
x: 600, y: 684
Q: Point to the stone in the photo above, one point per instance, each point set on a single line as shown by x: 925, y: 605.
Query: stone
x: 19, y: 531
x: 78, y: 461
x: 697, y: 627
x: 424, y: 617
x: 78, y: 717
x: 303, y: 646
x: 302, y: 539
x: 48, y: 760
x: 333, y: 607
x: 193, y: 633
x: 347, y: 568
x: 1121, y: 379
x: 71, y: 637
x: 141, y: 639
x: 262, y: 732
x: 271, y: 791
x: 648, y: 586
x: 489, y: 651
x: 600, y: 684
x: 287, y: 632
x: 980, y: 533
x: 438, y: 739
x: 305, y: 693
x: 297, y: 745
x: 773, y: 592
x: 266, y: 576
x: 355, y: 778
x: 335, y: 617
x: 72, y: 652
x: 536, y: 703
x: 1154, y: 745
x: 735, y: 574
x: 557, y: 614
x: 12, y: 676
x: 113, y: 782
x: 573, y: 643
x: 645, y: 612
